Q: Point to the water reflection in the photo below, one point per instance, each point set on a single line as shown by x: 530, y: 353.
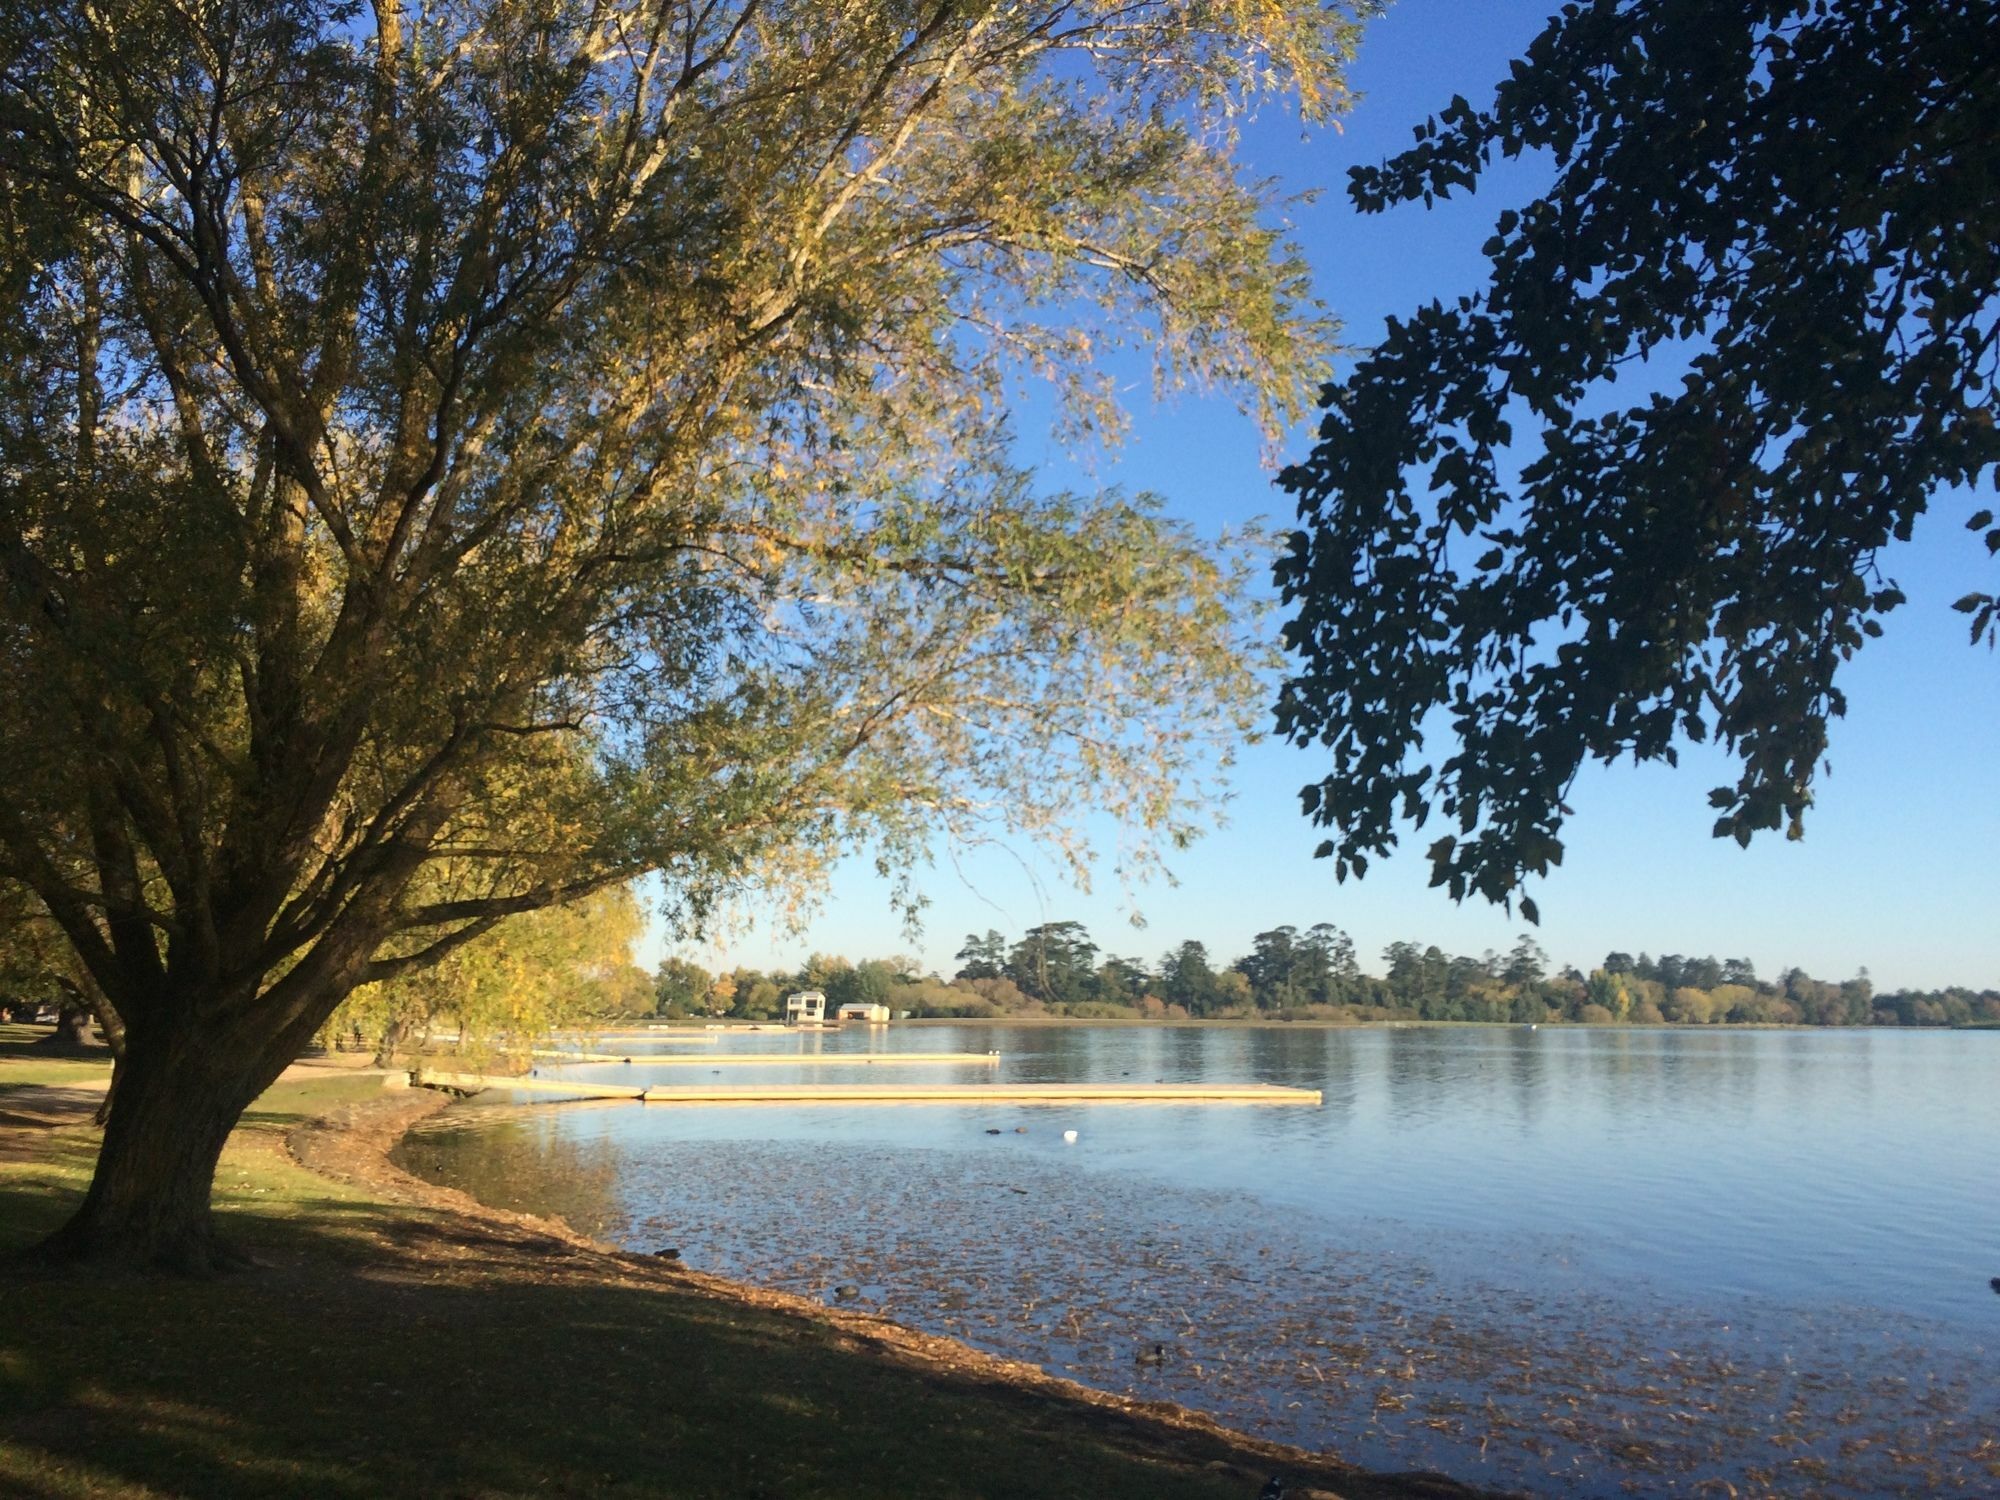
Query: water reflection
x: 1525, y: 1068
x: 531, y: 1159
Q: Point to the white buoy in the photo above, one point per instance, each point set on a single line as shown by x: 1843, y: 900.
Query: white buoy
x: 1070, y: 1136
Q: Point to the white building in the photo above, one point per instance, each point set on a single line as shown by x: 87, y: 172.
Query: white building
x: 874, y: 1015
x: 806, y: 1008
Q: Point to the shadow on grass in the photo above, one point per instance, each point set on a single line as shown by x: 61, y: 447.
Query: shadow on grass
x: 24, y: 1039
x: 385, y: 1350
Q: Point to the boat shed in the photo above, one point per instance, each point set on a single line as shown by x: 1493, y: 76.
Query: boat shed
x: 874, y: 1015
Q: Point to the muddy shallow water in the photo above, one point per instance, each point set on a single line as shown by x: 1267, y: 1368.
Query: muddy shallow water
x: 1582, y: 1262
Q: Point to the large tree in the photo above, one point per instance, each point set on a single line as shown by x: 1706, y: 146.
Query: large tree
x: 681, y: 987
x: 1781, y: 221
x: 1187, y: 979
x: 559, y: 439
x: 982, y: 957
x: 1278, y: 969
x: 1055, y: 961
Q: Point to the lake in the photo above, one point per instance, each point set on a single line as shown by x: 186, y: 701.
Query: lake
x: 1575, y: 1260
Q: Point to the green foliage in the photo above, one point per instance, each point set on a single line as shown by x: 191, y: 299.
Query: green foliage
x: 500, y: 994
x: 37, y: 966
x: 1055, y: 962
x: 1786, y: 214
x: 983, y: 957
x: 748, y: 995
x: 681, y: 988
x: 1527, y: 963
x: 873, y: 982
x: 1315, y: 975
x: 1121, y: 981
x: 40, y: 967
x: 459, y: 458
x: 1274, y: 967
x: 1186, y: 979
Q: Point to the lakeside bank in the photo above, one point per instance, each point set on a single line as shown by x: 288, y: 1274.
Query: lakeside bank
x: 402, y: 1339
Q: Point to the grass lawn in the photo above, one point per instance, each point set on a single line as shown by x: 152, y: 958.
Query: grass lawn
x: 395, y: 1345
x: 25, y: 1064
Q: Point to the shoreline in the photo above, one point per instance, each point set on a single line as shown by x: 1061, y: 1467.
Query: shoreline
x: 351, y: 1145
x: 344, y: 1215
x: 1697, y: 1388
x: 369, y: 1282
x: 1272, y: 1023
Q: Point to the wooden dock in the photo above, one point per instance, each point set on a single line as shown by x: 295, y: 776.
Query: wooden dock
x: 720, y: 1059
x: 883, y: 1093
x: 638, y: 1034
x: 479, y: 1083
x: 976, y: 1093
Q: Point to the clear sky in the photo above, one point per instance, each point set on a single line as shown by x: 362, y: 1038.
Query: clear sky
x: 1897, y: 869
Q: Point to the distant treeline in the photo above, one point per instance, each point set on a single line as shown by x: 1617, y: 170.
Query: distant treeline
x: 1314, y: 974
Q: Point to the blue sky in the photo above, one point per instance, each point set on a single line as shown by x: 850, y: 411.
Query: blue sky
x: 1895, y: 872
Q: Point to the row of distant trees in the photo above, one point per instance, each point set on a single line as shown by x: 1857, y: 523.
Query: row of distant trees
x: 1314, y: 973
x: 571, y: 964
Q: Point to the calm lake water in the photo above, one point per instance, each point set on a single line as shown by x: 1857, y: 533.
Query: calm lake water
x: 1574, y: 1261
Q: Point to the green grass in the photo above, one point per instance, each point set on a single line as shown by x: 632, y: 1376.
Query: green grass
x: 37, y: 1072
x: 258, y: 1186
x: 390, y: 1350
x: 24, y: 1062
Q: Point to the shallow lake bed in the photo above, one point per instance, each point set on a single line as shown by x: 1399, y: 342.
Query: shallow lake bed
x: 1590, y: 1262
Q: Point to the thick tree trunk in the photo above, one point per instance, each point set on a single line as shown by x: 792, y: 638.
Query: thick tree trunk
x: 392, y: 1043
x: 102, y: 1116
x: 111, y: 1026
x: 72, y: 1030
x: 73, y: 1033
x: 177, y: 1099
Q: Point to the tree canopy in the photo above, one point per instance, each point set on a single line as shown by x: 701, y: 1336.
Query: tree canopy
x: 1053, y: 961
x: 455, y: 459
x: 1782, y: 219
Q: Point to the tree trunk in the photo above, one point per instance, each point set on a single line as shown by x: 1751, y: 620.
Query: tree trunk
x: 179, y: 1095
x: 392, y: 1043
x: 72, y: 1030
x: 102, y: 1117
x: 111, y: 1026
